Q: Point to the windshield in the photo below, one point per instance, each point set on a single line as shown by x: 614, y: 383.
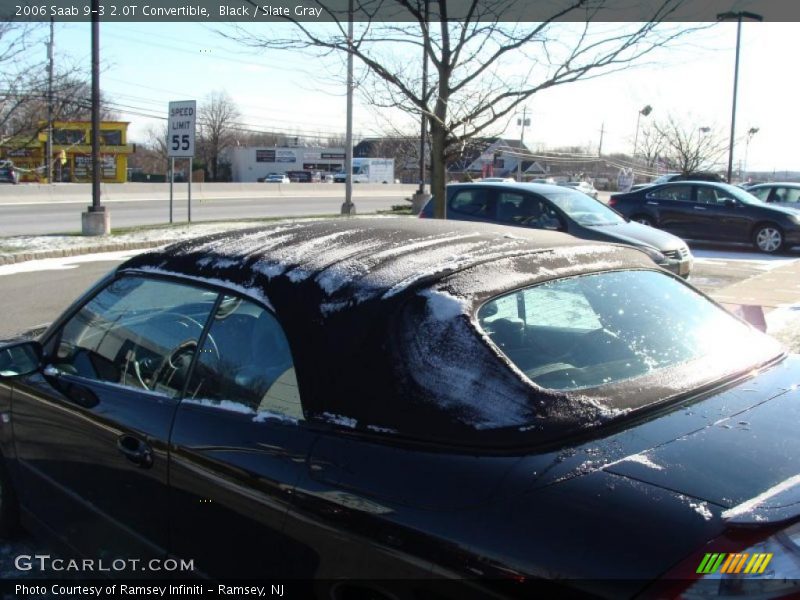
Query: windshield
x: 740, y: 194
x: 583, y: 209
x: 599, y: 329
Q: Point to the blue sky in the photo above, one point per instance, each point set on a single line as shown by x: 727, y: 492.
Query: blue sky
x: 145, y: 65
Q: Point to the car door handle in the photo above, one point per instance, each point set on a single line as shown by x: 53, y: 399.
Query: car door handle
x: 653, y: 203
x: 700, y: 208
x: 135, y: 450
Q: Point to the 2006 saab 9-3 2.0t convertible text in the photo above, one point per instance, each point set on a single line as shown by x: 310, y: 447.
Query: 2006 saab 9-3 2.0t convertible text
x: 396, y: 399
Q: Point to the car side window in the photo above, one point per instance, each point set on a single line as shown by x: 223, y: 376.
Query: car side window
x: 681, y: 193
x: 137, y: 332
x: 471, y: 202
x: 792, y: 195
x: 245, y: 360
x: 707, y: 195
x: 761, y: 193
x: 510, y: 207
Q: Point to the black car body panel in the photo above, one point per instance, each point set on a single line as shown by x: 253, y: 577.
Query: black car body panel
x: 422, y: 450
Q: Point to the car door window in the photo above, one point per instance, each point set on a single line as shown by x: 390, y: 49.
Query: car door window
x: 761, y: 193
x: 510, y: 207
x: 137, y: 332
x: 792, y: 195
x: 471, y: 202
x: 706, y: 195
x: 681, y: 193
x: 245, y: 363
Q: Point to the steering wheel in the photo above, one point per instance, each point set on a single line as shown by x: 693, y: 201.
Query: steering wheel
x: 178, y: 358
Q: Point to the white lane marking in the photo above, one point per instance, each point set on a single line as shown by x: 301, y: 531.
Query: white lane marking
x: 65, y: 262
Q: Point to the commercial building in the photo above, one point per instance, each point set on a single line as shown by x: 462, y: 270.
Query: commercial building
x: 72, y: 152
x: 250, y: 164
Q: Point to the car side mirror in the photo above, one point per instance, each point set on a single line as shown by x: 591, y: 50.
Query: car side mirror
x: 730, y: 202
x: 20, y: 358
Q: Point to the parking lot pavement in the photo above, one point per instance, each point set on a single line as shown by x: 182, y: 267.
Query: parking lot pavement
x: 758, y: 287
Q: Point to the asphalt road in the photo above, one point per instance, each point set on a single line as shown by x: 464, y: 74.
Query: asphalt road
x: 65, y: 217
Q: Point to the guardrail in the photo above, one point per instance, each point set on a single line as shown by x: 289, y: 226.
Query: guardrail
x: 109, y: 192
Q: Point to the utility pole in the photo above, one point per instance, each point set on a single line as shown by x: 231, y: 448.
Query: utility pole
x: 600, y: 145
x: 348, y: 208
x: 420, y: 198
x: 49, y: 147
x: 423, y: 116
x: 96, y: 220
x: 522, y: 122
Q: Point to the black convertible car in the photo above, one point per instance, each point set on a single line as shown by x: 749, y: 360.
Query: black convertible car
x: 382, y: 404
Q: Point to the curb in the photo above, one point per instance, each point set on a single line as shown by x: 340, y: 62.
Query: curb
x: 10, y: 259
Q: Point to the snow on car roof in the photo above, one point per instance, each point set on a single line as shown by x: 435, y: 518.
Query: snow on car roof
x: 353, y: 260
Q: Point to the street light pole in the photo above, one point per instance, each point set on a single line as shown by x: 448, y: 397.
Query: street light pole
x: 645, y: 111
x: 524, y: 123
x: 738, y: 16
x: 750, y: 133
x: 348, y: 208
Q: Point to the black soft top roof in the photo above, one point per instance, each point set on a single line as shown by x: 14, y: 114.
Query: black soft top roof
x: 365, y: 258
x: 379, y: 316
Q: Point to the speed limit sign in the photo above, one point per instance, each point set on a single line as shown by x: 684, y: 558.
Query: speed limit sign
x: 180, y: 134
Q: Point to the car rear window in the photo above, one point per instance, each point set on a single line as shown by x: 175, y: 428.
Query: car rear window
x: 604, y: 328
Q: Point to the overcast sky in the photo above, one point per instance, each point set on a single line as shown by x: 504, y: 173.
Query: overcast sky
x: 148, y: 64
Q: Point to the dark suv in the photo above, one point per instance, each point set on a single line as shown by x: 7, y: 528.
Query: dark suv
x: 695, y: 176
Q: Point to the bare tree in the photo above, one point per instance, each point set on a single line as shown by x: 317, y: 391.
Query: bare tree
x: 651, y: 146
x: 217, y: 120
x: 484, y: 62
x: 688, y: 147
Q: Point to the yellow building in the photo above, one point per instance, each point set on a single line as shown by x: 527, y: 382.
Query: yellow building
x: 72, y: 152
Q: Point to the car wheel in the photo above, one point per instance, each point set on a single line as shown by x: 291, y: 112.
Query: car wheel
x: 644, y: 220
x: 768, y: 238
x: 9, y: 508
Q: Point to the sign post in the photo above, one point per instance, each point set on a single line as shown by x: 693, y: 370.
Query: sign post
x: 182, y: 119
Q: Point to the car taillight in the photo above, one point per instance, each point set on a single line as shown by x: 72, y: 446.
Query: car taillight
x: 612, y: 201
x: 738, y: 565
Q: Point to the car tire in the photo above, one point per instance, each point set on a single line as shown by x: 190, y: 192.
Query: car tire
x: 644, y: 220
x: 9, y: 506
x: 768, y: 238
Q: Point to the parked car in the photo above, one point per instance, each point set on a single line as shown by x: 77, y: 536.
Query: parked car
x: 304, y: 176
x: 8, y: 174
x: 582, y: 186
x: 498, y: 179
x: 277, y: 178
x: 560, y: 208
x: 713, y: 212
x: 784, y: 194
x: 398, y: 401
x: 692, y: 176
x: 666, y: 178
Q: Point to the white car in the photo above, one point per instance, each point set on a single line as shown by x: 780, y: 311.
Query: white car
x: 499, y: 179
x: 276, y: 178
x: 582, y: 186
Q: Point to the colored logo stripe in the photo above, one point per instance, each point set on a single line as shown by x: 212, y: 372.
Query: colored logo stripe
x: 734, y: 563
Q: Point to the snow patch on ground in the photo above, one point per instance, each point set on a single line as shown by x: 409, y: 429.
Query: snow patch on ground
x: 67, y: 262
